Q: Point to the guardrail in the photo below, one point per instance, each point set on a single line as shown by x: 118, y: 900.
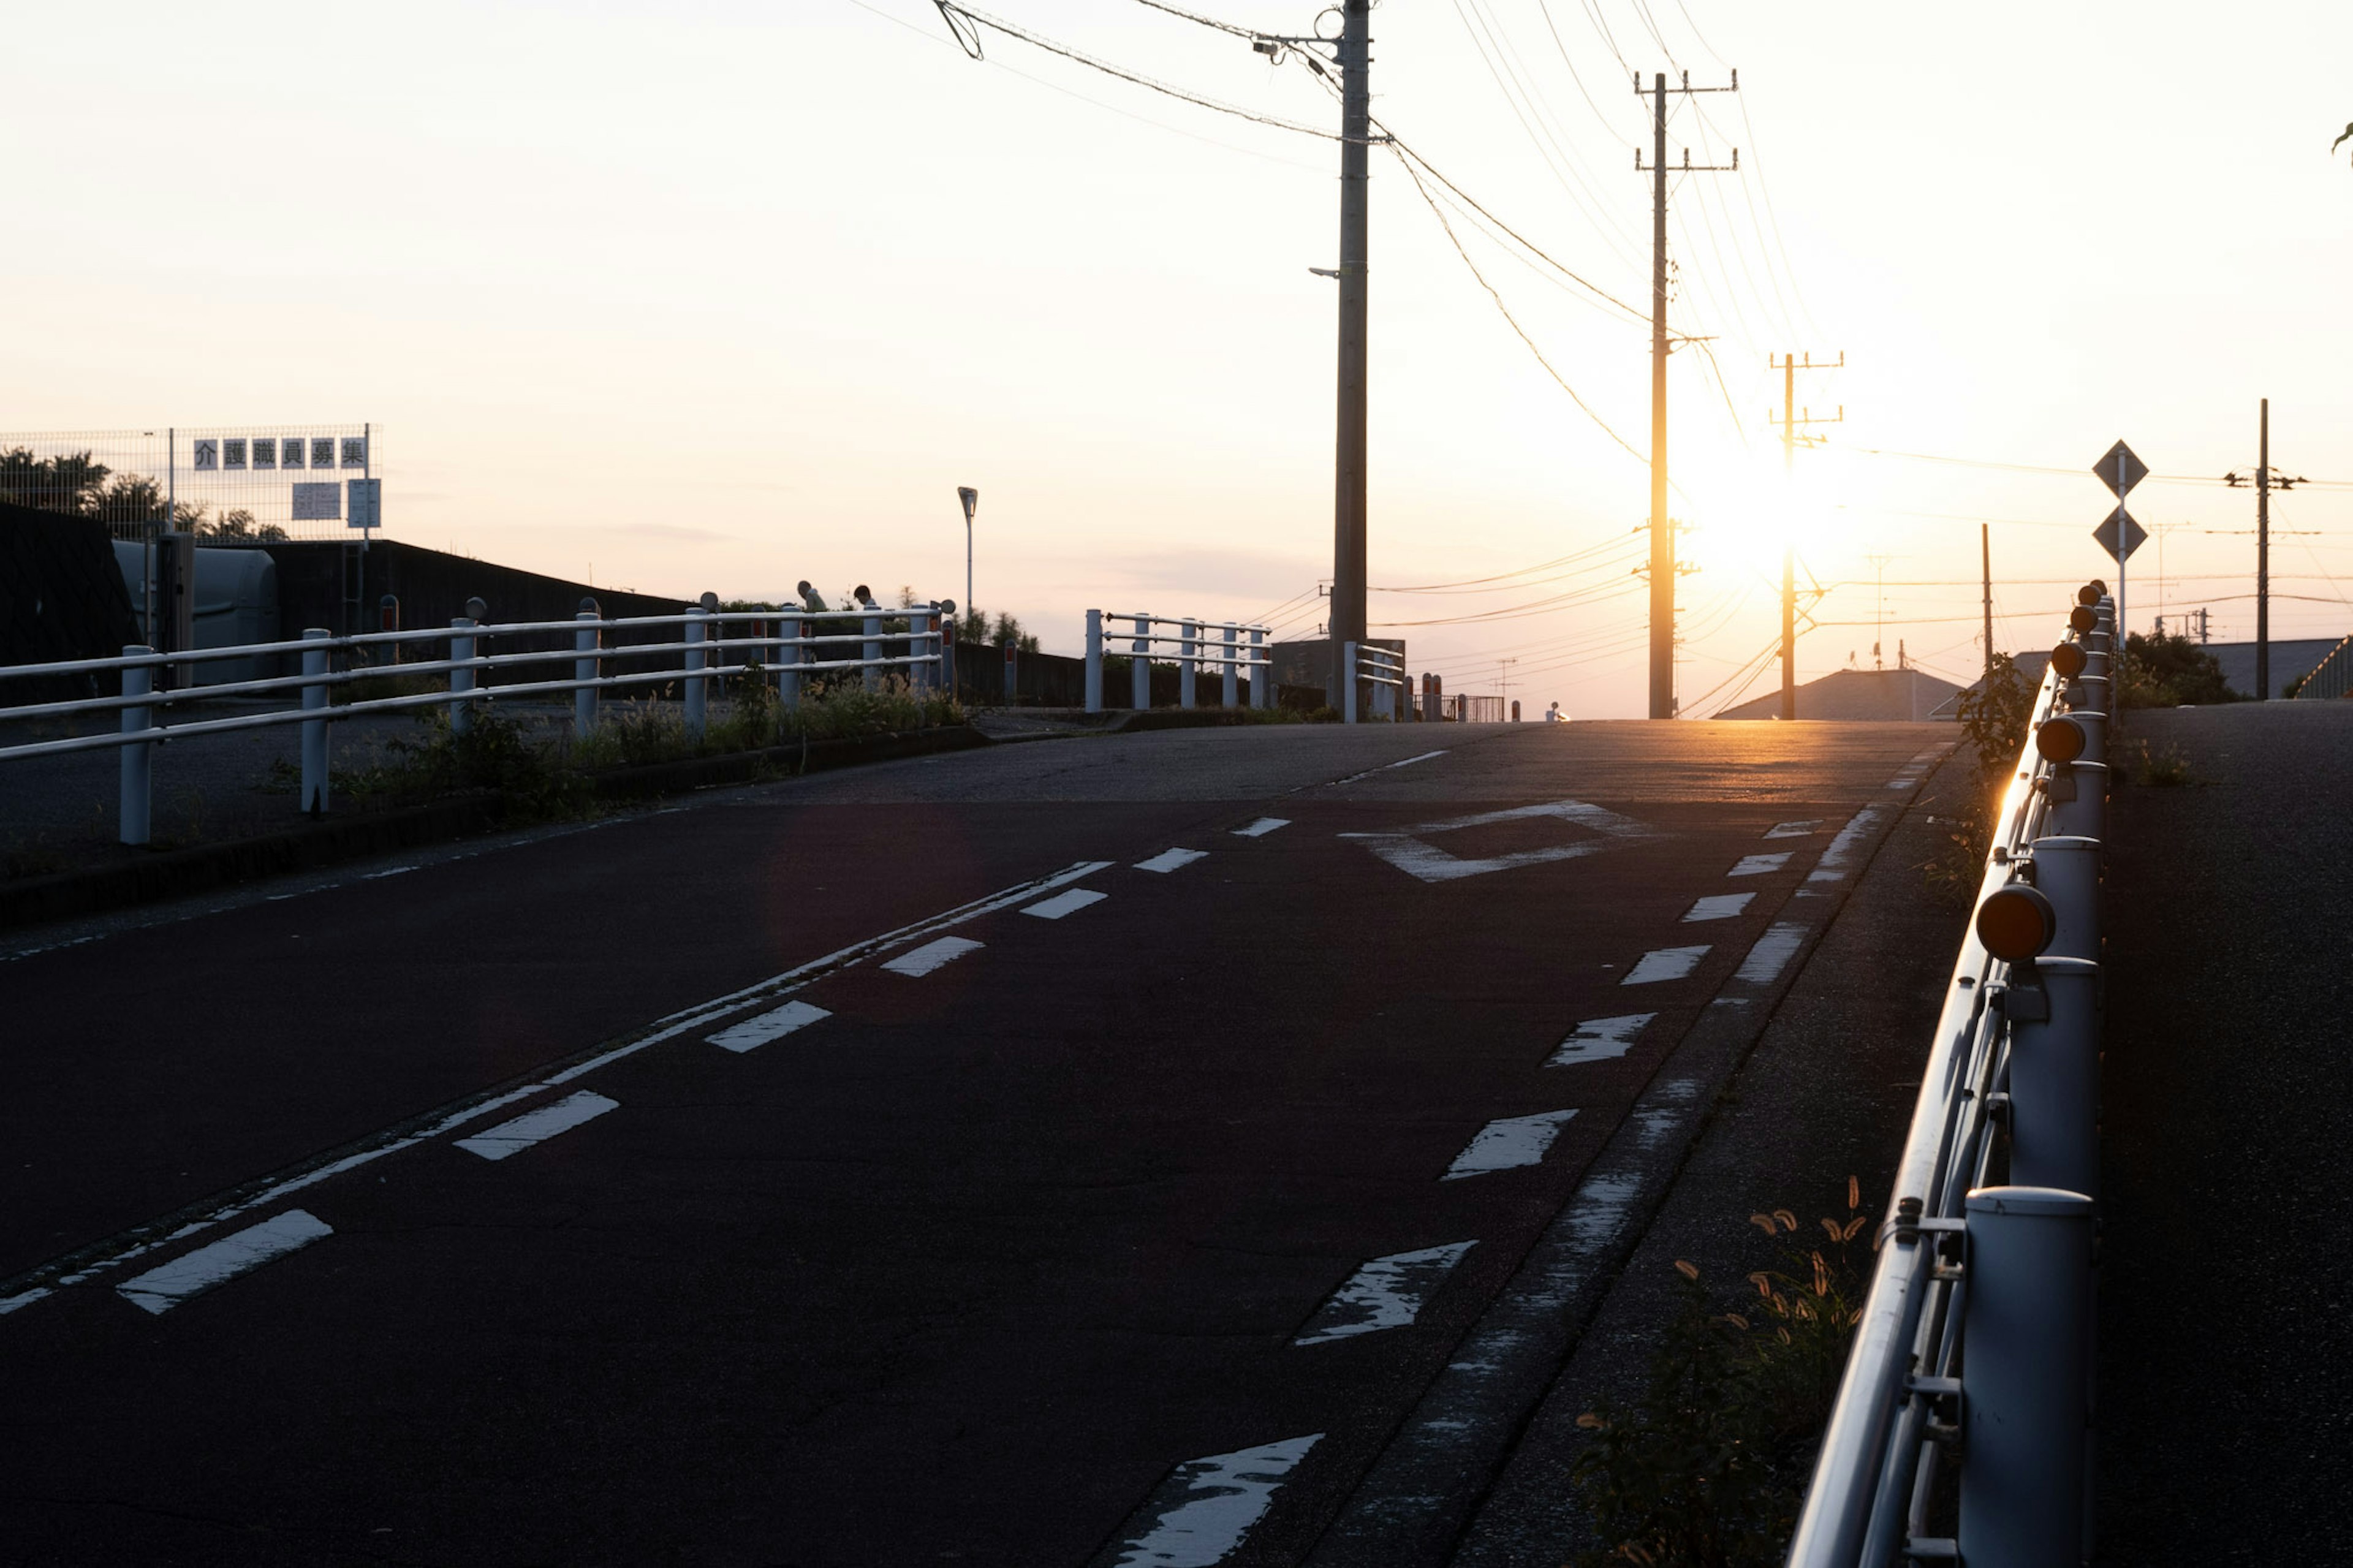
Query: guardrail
x: 2332, y: 677
x: 1381, y: 668
x: 774, y: 644
x: 1975, y: 1341
x: 1195, y: 646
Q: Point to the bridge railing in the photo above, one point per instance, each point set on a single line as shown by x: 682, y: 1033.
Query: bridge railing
x: 1973, y: 1346
x: 1383, y: 669
x: 2332, y: 677
x: 1194, y: 642
x: 789, y: 648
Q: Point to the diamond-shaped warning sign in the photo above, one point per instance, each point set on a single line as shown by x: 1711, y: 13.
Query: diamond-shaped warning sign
x: 2120, y: 522
x: 2121, y: 468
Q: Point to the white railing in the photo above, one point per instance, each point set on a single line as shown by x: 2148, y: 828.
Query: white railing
x: 1975, y: 1341
x: 788, y: 646
x: 1382, y: 668
x: 1195, y: 645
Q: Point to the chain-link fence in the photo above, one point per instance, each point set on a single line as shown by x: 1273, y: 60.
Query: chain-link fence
x: 254, y: 485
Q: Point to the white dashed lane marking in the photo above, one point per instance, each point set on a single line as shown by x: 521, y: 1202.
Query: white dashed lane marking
x: 1717, y: 907
x: 538, y: 1126
x: 921, y: 961
x: 1385, y: 1293
x: 1062, y: 904
x: 1836, y: 859
x: 1385, y: 767
x: 1792, y: 829
x: 1262, y: 828
x: 754, y: 1032
x: 1600, y: 1039
x: 1759, y: 865
x: 166, y: 1286
x: 1201, y: 1513
x: 1508, y: 1144
x: 1172, y: 860
x: 1665, y: 964
x: 1771, y: 955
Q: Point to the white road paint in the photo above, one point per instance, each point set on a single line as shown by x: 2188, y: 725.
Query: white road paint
x: 755, y: 1032
x: 1407, y: 853
x: 166, y: 1286
x: 1600, y: 1039
x: 1717, y: 907
x: 1172, y: 860
x: 391, y: 871
x: 1205, y: 1507
x: 1839, y: 858
x: 932, y: 955
x: 1508, y: 1144
x: 1385, y: 1293
x: 1771, y: 955
x: 1792, y: 829
x: 1664, y: 964
x: 538, y: 1126
x: 1385, y: 767
x: 1068, y: 904
x: 1262, y: 828
x: 1916, y: 769
x: 1759, y: 865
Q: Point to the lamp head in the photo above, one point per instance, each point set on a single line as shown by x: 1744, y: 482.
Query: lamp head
x: 971, y: 499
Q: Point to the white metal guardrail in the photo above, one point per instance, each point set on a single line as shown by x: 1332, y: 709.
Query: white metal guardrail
x: 2332, y: 677
x: 1974, y: 1347
x: 788, y: 646
x: 1381, y: 668
x: 1195, y: 645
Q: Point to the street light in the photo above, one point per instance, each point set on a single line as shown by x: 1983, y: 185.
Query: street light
x: 971, y: 499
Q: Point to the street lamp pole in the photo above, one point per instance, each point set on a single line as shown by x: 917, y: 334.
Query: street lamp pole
x: 971, y: 499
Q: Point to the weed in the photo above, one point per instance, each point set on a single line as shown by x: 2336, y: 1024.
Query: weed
x: 1957, y: 867
x: 2160, y: 769
x: 30, y: 857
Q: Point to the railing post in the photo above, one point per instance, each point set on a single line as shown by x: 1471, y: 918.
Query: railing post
x: 462, y: 679
x: 1094, y: 661
x: 2054, y: 1077
x: 314, y: 730
x: 1140, y: 667
x: 137, y: 767
x: 388, y: 619
x: 587, y: 667
x: 2067, y: 872
x: 1189, y: 647
x: 795, y: 654
x: 919, y: 631
x: 1261, y: 673
x: 1228, y: 694
x: 1348, y: 683
x: 870, y: 670
x: 697, y: 630
x: 2085, y: 816
x: 2025, y: 1359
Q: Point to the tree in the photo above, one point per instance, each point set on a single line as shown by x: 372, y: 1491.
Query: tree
x: 66, y: 482
x: 2170, y: 672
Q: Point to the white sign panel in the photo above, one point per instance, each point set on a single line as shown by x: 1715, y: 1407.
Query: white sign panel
x: 207, y: 454
x: 366, y: 509
x: 318, y: 503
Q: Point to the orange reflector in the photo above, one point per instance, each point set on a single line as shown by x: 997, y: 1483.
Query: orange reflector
x: 2084, y: 618
x: 2087, y: 595
x: 2068, y: 658
x: 2102, y: 586
x: 2016, y: 923
x: 2061, y: 740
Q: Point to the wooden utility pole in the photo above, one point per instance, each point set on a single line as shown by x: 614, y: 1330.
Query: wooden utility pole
x: 1791, y: 420
x: 1349, y: 542
x: 2263, y: 557
x: 1663, y: 534
x: 1985, y: 572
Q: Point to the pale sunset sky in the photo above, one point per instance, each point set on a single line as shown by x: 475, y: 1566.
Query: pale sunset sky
x: 715, y: 296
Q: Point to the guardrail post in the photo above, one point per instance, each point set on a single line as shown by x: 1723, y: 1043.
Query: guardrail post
x: 919, y: 635
x: 1189, y: 664
x: 314, y: 730
x: 1261, y: 670
x: 137, y: 765
x: 1140, y: 666
x: 1094, y: 661
x: 2054, y: 1079
x: 794, y: 654
x: 462, y: 679
x: 2025, y: 1361
x: 1347, y: 683
x: 698, y: 630
x: 2085, y: 816
x: 388, y: 619
x: 587, y: 667
x: 2067, y: 872
x: 1227, y: 696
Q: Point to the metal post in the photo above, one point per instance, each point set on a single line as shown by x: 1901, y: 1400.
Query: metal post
x: 2067, y: 872
x: 137, y: 768
x: 1348, y: 545
x: 2263, y: 558
x: 1261, y: 676
x: 1094, y: 661
x: 795, y: 654
x: 919, y: 631
x: 587, y: 667
x: 1188, y: 663
x: 2086, y: 815
x: 697, y: 699
x: 1348, y: 683
x: 870, y: 668
x: 1140, y: 666
x: 2025, y: 1351
x: 462, y: 679
x: 314, y: 730
x: 1662, y: 540
x: 944, y: 647
x: 1228, y: 695
x: 2054, y: 1082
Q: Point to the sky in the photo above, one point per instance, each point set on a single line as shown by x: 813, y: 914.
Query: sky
x: 724, y: 296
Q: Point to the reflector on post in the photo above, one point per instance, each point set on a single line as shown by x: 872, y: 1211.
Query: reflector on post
x: 2069, y: 659
x: 2061, y: 740
x: 2016, y: 922
x: 2084, y: 618
x: 2089, y: 594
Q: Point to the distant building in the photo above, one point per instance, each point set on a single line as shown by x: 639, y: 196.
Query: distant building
x: 1862, y: 697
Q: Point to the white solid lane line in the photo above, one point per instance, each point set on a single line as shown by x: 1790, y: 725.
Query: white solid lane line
x: 1717, y: 907
x: 1771, y: 955
x: 162, y: 1288
x: 1062, y: 904
x: 1172, y: 860
x: 1507, y: 1145
x: 755, y: 1032
x: 1385, y: 1293
x: 1759, y: 865
x: 1793, y: 829
x: 931, y: 954
x: 538, y: 1126
x: 1600, y: 1039
x: 1664, y: 964
x: 1832, y: 865
x: 1201, y: 1513
x: 1262, y: 828
x: 1385, y: 767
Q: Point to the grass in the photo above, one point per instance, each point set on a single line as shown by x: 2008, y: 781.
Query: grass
x: 2160, y: 768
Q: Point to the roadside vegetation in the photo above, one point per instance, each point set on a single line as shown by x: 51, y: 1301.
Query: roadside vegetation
x: 2170, y: 672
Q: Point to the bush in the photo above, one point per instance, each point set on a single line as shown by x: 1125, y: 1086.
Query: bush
x: 2169, y: 672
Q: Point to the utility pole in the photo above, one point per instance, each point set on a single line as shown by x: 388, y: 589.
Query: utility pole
x: 1985, y: 572
x: 1348, y: 542
x: 1879, y: 616
x: 2263, y: 557
x: 1790, y: 441
x: 1662, y: 538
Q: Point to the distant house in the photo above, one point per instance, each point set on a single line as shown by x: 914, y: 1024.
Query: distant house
x: 1862, y: 697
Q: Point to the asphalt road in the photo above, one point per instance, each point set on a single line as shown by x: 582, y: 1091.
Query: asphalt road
x: 1182, y: 1148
